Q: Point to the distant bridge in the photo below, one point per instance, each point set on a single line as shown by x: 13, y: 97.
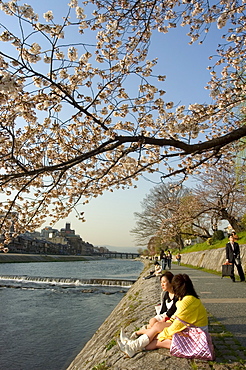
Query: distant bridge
x: 120, y: 255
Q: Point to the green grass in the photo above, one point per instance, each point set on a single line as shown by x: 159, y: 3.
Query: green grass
x: 111, y: 344
x: 101, y: 366
x: 218, y: 244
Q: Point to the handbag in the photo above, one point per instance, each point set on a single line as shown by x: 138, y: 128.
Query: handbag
x: 192, y: 342
x: 227, y: 269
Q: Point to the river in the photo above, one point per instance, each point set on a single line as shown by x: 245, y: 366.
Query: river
x: 48, y: 313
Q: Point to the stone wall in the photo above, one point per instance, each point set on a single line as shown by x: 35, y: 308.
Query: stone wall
x: 211, y: 259
x: 18, y: 257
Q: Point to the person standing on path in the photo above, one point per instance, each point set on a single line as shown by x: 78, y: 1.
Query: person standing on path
x: 163, y: 259
x: 169, y: 260
x: 178, y: 258
x: 233, y: 256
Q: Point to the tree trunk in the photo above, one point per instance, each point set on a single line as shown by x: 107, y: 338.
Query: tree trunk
x: 179, y: 241
x: 232, y: 220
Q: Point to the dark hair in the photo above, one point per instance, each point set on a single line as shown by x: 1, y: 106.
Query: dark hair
x: 156, y: 263
x: 182, y: 286
x: 168, y: 274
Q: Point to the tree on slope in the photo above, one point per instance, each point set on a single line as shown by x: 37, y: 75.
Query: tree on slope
x: 170, y: 214
x: 70, y: 126
x: 221, y: 195
x: 164, y: 218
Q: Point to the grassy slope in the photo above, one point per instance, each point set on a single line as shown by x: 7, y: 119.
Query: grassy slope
x: 218, y: 244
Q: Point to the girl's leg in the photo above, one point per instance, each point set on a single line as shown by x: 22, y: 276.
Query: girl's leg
x: 158, y: 344
x: 152, y: 321
x: 130, y: 347
x: 156, y: 329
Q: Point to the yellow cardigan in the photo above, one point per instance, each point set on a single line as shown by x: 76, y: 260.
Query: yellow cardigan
x: 189, y: 309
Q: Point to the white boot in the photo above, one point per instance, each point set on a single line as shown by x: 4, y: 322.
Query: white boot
x: 134, y: 335
x: 132, y: 346
x: 123, y: 337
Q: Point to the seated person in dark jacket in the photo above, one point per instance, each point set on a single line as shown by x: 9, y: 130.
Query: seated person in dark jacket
x: 168, y: 300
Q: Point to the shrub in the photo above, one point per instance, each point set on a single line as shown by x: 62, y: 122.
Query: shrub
x: 218, y: 235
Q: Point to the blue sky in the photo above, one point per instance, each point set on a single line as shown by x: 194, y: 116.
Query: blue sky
x: 109, y: 218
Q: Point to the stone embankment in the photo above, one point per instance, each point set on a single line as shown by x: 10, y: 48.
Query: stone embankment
x: 211, y: 259
x: 15, y: 258
x: 133, y: 311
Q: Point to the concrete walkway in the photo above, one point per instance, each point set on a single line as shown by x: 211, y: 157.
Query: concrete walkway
x: 225, y: 300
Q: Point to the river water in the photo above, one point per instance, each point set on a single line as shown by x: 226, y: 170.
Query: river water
x: 44, y: 323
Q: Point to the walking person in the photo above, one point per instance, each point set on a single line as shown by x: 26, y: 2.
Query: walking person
x: 233, y: 256
x: 178, y: 258
x: 169, y: 260
x: 163, y: 259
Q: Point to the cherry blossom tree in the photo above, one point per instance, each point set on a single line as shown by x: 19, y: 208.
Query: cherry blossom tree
x: 222, y: 196
x: 168, y: 214
x: 171, y: 214
x: 71, y: 125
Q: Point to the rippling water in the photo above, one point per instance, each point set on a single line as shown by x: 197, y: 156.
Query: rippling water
x: 43, y: 326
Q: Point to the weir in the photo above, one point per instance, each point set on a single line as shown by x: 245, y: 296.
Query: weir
x: 66, y: 281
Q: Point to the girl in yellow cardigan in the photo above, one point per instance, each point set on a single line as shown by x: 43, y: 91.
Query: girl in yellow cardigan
x: 189, y: 309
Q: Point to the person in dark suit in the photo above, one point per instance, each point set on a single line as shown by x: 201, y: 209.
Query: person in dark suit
x: 163, y: 259
x: 233, y: 256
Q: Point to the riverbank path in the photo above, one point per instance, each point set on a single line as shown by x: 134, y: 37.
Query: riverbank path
x: 223, y: 299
